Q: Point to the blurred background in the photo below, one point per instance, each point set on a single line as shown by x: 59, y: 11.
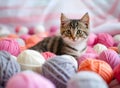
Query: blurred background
x: 104, y: 14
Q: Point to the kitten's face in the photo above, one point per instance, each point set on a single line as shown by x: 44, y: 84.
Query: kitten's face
x: 75, y: 29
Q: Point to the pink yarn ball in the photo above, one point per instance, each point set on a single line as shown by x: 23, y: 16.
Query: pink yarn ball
x: 48, y: 55
x: 117, y: 72
x: 106, y: 39
x: 53, y: 30
x: 87, y: 56
x: 90, y: 50
x: 31, y: 31
x: 29, y: 80
x: 25, y: 36
x: 91, y: 39
x: 10, y: 45
x: 110, y: 56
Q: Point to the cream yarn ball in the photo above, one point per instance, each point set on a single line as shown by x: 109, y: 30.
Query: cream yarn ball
x: 99, y: 48
x: 31, y: 60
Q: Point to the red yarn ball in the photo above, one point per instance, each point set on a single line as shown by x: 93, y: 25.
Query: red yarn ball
x: 106, y: 39
x: 111, y: 57
x: 114, y: 84
x: 10, y: 45
x: 48, y: 55
x: 117, y: 72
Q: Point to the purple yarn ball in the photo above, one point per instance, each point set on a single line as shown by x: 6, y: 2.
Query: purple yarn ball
x: 111, y: 57
x: 59, y: 70
x: 8, y: 67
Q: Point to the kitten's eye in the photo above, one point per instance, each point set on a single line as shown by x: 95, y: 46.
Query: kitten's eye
x: 79, y: 31
x: 68, y: 32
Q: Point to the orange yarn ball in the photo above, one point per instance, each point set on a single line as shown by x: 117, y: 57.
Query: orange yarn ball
x: 31, y: 41
x: 98, y: 66
x: 12, y: 36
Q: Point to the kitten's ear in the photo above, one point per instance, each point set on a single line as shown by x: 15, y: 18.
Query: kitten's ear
x: 63, y: 18
x: 85, y: 19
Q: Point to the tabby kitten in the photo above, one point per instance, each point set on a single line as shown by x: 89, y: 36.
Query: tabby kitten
x: 73, y: 39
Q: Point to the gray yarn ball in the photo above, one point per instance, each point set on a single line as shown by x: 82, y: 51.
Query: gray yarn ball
x: 8, y: 67
x: 59, y: 70
x: 86, y: 79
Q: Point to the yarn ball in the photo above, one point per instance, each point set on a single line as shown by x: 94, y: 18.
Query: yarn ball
x: 39, y: 29
x: 87, y: 56
x: 21, y: 30
x: 10, y: 45
x: 13, y: 36
x: 105, y: 39
x: 31, y: 31
x: 59, y: 70
x: 114, y: 84
x: 98, y: 66
x: 116, y: 39
x: 117, y: 72
x: 20, y: 41
x: 25, y: 36
x: 29, y: 80
x: 72, y: 59
x: 4, y: 31
x: 8, y: 67
x: 86, y: 79
x: 90, y: 50
x: 53, y: 30
x: 32, y: 40
x: 99, y: 48
x: 42, y: 35
x: 111, y: 57
x: 30, y: 60
x: 91, y: 39
x: 114, y: 48
x: 47, y: 55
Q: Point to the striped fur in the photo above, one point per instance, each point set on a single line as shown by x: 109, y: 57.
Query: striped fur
x: 57, y: 45
x: 73, y: 39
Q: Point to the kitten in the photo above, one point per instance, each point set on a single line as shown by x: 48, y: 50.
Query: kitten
x: 73, y: 39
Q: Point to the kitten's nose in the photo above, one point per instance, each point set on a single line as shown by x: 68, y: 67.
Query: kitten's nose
x: 73, y: 38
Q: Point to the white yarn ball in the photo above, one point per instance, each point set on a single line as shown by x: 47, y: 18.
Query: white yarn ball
x: 116, y: 39
x: 20, y: 41
x: 31, y: 60
x: 23, y: 30
x: 72, y: 59
x: 4, y: 31
x: 86, y: 79
x: 99, y: 48
x: 39, y: 29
